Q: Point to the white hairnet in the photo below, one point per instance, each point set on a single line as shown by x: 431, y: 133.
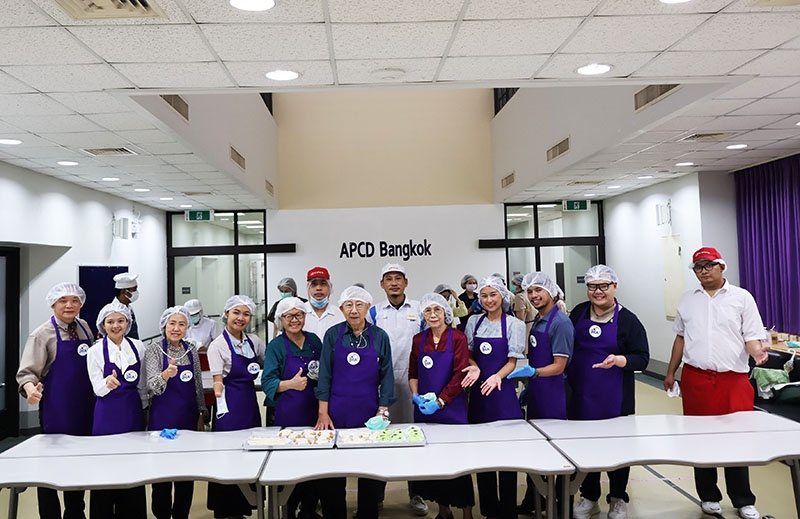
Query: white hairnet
x: 65, y: 289
x: 443, y: 287
x: 328, y: 281
x: 113, y: 308
x: 499, y: 275
x: 238, y: 300
x: 498, y: 284
x: 465, y: 279
x: 600, y: 273
x: 355, y: 293
x: 517, y: 280
x: 436, y: 299
x: 194, y: 306
x: 162, y: 323
x: 288, y: 283
x: 285, y: 305
x: 542, y: 280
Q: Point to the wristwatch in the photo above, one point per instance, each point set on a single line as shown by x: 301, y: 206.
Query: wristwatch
x: 440, y: 403
x: 384, y: 412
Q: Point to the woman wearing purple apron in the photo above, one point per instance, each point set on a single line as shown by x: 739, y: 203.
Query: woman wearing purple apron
x: 234, y: 359
x: 496, y: 341
x: 610, y: 344
x: 54, y: 362
x: 114, y: 364
x: 437, y: 365
x: 356, y: 384
x: 175, y: 384
x: 291, y: 367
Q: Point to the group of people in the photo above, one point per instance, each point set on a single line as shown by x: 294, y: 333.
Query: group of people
x: 445, y: 358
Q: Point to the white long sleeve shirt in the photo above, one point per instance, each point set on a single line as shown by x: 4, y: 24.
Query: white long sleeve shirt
x: 122, y: 357
x: 319, y: 324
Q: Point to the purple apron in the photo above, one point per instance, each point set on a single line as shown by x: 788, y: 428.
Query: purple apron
x: 547, y: 396
x: 354, y: 384
x: 297, y: 408
x: 120, y: 411
x: 596, y: 392
x: 491, y: 353
x: 434, y: 371
x: 240, y: 392
x: 176, y: 407
x: 68, y: 404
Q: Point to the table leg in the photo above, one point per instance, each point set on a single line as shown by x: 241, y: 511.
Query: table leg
x: 575, y: 484
x: 13, y: 502
x: 273, y: 508
x: 260, y: 500
x: 794, y: 467
x: 537, y: 502
x: 551, y: 496
x: 566, y: 496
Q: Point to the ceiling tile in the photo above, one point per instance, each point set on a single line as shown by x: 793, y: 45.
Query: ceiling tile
x: 391, y: 40
x: 768, y: 135
x: 787, y: 144
x: 192, y: 168
x: 717, y: 106
x: 655, y: 137
x: 791, y: 122
x: 739, y: 122
x: 164, y: 148
x: 9, y: 85
x: 131, y: 160
x: 632, y: 33
x: 174, y: 15
x: 793, y: 44
x: 792, y: 91
x: 733, y: 31
x: 151, y: 170
x: 252, y: 73
x: 412, y: 70
x: 121, y: 121
x: 372, y: 11
x: 773, y: 63
x: 770, y: 106
x: 68, y: 78
x: 491, y: 67
x: 186, y: 158
x: 23, y: 163
x: 711, y: 63
x: 683, y: 123
x: 30, y: 104
x: 145, y: 136
x: 90, y: 102
x: 509, y: 9
x: 268, y: 42
x: 295, y: 11
x: 628, y: 7
x: 175, y: 75
x: 19, y: 13
x: 29, y: 140
x: 45, y: 152
x: 751, y: 6
x: 87, y: 139
x: 42, y: 46
x: 511, y: 37
x: 145, y: 43
x: 624, y: 64
x: 8, y: 128
x: 53, y: 123
x: 758, y: 87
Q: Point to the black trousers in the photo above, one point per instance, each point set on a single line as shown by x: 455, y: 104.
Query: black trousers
x: 617, y: 482
x: 334, y: 500
x: 227, y: 500
x: 737, y: 484
x: 529, y: 505
x: 126, y: 503
x: 165, y: 507
x: 502, y: 504
x: 50, y: 507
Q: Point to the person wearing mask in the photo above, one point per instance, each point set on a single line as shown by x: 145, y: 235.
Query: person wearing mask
x: 291, y: 368
x: 717, y: 329
x: 175, y: 386
x: 320, y: 315
x: 126, y: 291
x: 456, y: 305
x: 469, y: 296
x: 52, y: 373
x: 202, y: 331
x: 287, y: 288
x: 610, y: 345
x: 521, y: 306
x: 115, y: 367
x: 438, y: 360
x: 235, y: 359
x: 496, y: 340
x: 356, y: 384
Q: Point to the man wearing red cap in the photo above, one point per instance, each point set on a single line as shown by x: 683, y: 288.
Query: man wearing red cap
x: 718, y: 327
x: 319, y: 314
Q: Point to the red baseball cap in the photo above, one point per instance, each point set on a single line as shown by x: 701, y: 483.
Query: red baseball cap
x: 706, y: 253
x: 318, y: 272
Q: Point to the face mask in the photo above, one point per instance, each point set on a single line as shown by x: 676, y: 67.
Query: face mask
x: 472, y: 287
x: 196, y: 318
x: 133, y: 296
x: 284, y: 295
x: 513, y: 289
x: 319, y: 304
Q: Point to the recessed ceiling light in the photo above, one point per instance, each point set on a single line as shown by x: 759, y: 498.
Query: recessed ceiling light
x: 186, y: 206
x: 675, y: 1
x: 797, y: 123
x: 282, y: 75
x: 593, y: 69
x: 10, y: 142
x: 736, y: 147
x: 645, y: 177
x: 253, y: 5
x: 590, y: 194
x: 67, y: 163
x: 614, y: 187
x: 165, y: 198
x: 109, y: 179
x: 142, y: 190
x: 682, y: 164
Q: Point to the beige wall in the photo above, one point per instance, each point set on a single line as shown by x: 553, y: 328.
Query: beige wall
x: 374, y: 148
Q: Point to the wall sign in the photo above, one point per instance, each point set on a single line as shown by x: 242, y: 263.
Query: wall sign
x: 367, y: 249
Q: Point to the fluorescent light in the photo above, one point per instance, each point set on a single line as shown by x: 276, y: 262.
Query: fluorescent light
x: 223, y: 214
x: 736, y: 147
x: 254, y: 226
x: 282, y: 75
x: 590, y: 194
x: 166, y: 198
x: 546, y: 206
x: 593, y: 69
x: 682, y: 164
x: 253, y: 5
x: 10, y: 142
x: 67, y: 163
x: 186, y: 206
x: 142, y: 190
x: 224, y: 219
x: 517, y: 215
x: 614, y: 187
x: 250, y: 222
x: 645, y: 177
x: 240, y: 214
x: 109, y: 179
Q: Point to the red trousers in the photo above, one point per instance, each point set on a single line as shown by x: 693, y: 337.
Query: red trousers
x: 713, y: 393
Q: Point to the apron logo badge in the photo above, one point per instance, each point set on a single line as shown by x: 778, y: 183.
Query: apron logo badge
x: 353, y: 358
x: 131, y: 375
x: 427, y: 362
x: 186, y: 375
x: 595, y: 331
x: 486, y: 348
x: 533, y: 341
x: 83, y: 349
x: 253, y: 368
x: 313, y: 366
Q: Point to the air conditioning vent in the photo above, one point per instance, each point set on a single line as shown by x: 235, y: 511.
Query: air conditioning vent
x: 198, y: 193
x: 106, y: 152
x: 269, y: 187
x: 708, y: 137
x: 178, y: 104
x: 106, y: 9
x: 238, y: 158
x: 507, y: 180
x: 651, y: 94
x: 585, y: 183
x: 558, y: 150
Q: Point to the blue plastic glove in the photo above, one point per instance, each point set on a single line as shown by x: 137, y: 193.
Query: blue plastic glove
x: 476, y: 306
x: 376, y: 423
x: 525, y: 371
x: 418, y: 400
x: 429, y: 407
x: 169, y: 433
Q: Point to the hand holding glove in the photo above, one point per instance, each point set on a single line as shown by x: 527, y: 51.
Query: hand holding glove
x: 428, y: 408
x: 525, y: 371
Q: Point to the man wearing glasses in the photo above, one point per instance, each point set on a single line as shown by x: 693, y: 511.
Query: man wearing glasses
x: 717, y: 328
x: 610, y: 345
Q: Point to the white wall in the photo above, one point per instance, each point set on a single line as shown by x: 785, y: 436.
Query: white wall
x: 718, y: 211
x: 60, y: 226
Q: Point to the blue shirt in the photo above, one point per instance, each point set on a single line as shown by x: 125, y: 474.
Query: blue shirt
x: 561, y: 333
x: 382, y: 348
x: 275, y: 362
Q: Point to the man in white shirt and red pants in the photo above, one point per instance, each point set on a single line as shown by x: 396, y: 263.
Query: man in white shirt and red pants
x: 718, y: 327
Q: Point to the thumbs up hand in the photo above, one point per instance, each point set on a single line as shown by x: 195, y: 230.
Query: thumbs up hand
x: 298, y: 382
x: 111, y: 381
x: 34, y: 393
x: 170, y: 372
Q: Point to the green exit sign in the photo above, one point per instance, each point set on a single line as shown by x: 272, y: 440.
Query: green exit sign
x: 199, y: 216
x: 576, y: 205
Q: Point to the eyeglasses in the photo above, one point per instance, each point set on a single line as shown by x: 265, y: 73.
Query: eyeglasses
x: 602, y: 287
x: 433, y: 310
x: 293, y: 317
x: 705, y: 266
x: 358, y: 305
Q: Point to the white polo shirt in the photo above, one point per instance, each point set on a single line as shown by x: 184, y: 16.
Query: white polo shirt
x: 319, y: 324
x: 203, y: 332
x: 715, y: 329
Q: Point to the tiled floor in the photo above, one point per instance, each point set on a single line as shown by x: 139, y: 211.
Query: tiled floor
x: 657, y: 492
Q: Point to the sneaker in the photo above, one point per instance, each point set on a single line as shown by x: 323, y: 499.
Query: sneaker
x: 749, y: 512
x: 585, y: 509
x: 711, y: 507
x: 418, y: 506
x: 618, y: 509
